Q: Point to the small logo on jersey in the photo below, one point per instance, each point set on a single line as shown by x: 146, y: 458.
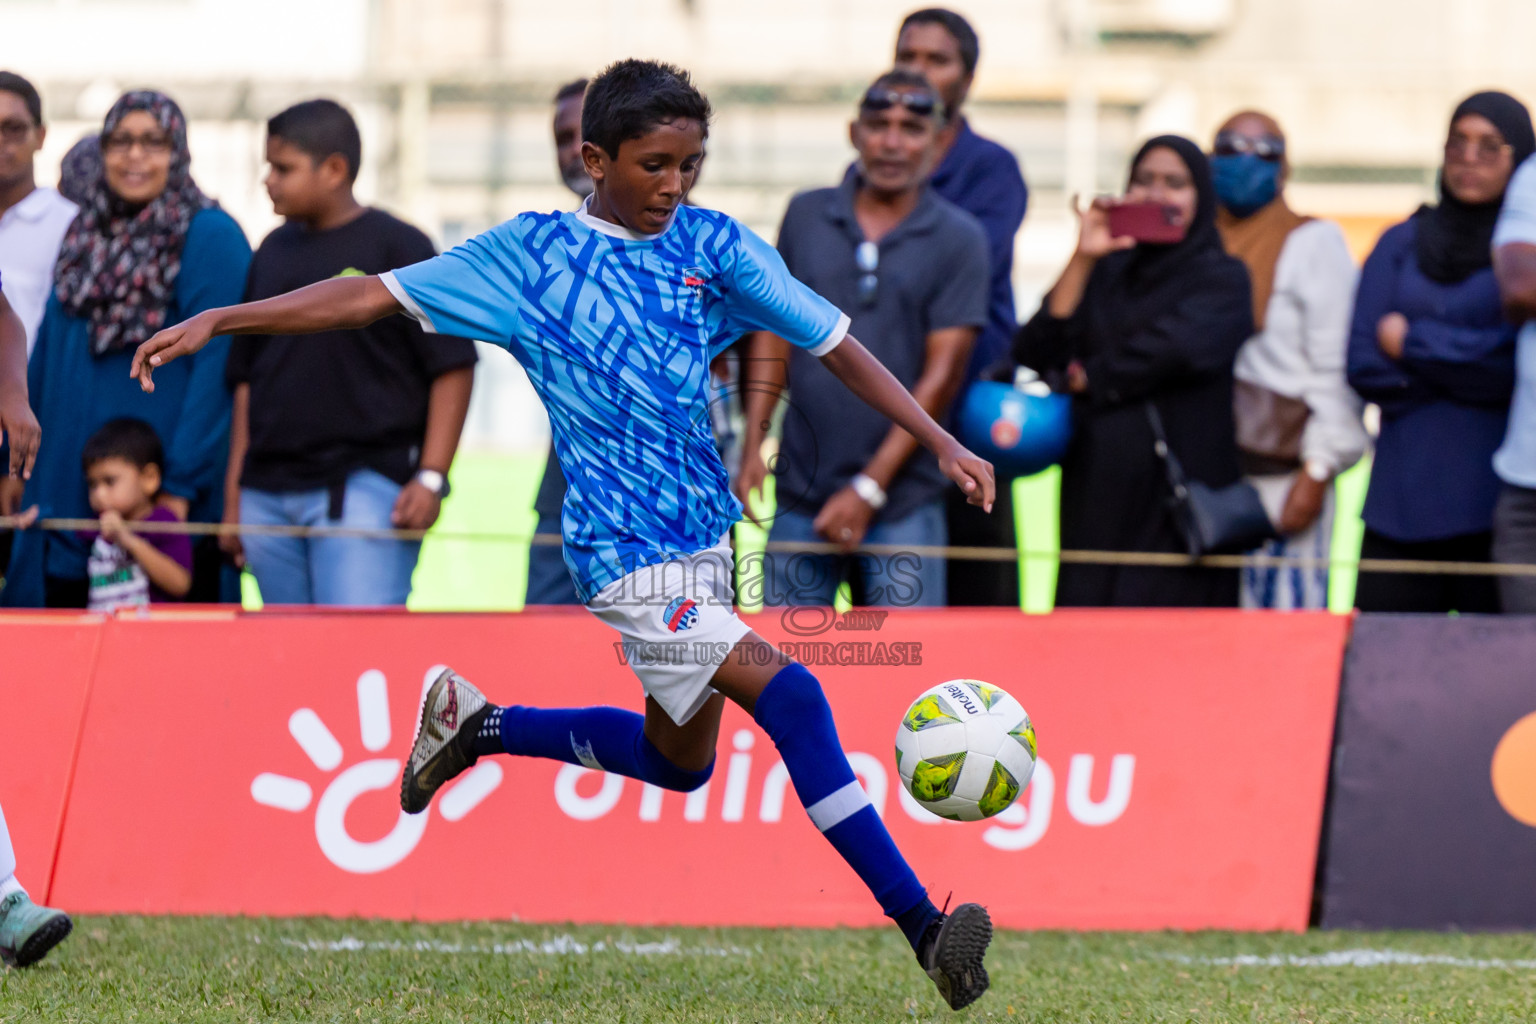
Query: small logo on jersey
x: 681, y: 613
x: 693, y: 277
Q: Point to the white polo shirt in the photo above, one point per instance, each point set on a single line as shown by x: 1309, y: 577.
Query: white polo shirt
x: 1515, y: 461
x: 30, y: 235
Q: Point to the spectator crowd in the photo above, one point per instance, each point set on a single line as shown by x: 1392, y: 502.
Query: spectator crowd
x: 1232, y: 345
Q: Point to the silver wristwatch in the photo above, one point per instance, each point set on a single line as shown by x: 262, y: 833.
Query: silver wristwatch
x: 866, y: 487
x: 433, y: 481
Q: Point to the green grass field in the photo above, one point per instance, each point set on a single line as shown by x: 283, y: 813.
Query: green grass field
x: 493, y: 494
x: 241, y: 969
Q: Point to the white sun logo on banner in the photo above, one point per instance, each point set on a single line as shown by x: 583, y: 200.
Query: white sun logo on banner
x: 320, y: 744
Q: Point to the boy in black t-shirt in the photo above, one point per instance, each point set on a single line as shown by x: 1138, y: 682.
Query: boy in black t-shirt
x: 356, y: 428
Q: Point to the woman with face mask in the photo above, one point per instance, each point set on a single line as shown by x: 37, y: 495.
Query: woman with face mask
x: 1130, y: 325
x: 147, y: 249
x: 1298, y: 421
x: 1429, y: 344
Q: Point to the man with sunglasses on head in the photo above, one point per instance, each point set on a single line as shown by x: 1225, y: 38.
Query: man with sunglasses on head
x: 1298, y: 421
x: 983, y: 179
x: 32, y: 220
x: 911, y: 270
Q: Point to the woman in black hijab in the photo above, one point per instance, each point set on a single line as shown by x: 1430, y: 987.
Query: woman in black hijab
x: 1128, y: 324
x: 1429, y: 344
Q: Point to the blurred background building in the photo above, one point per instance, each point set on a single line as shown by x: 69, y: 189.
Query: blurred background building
x: 453, y: 97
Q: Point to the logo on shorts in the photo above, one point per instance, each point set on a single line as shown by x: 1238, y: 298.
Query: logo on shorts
x: 681, y: 613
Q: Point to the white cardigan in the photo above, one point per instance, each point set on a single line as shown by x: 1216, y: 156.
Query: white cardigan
x: 1301, y: 351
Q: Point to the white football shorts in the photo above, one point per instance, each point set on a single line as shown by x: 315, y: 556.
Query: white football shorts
x: 678, y: 623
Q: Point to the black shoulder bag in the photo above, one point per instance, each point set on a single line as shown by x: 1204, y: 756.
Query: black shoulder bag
x: 1214, y: 521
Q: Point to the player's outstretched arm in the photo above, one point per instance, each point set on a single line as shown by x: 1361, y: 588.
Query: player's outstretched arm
x: 337, y: 304
x: 868, y: 378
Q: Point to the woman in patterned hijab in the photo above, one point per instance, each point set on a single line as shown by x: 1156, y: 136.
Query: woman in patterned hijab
x: 119, y: 262
x: 147, y: 249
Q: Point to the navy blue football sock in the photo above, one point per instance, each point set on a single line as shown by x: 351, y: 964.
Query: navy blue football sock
x: 487, y: 738
x: 608, y: 739
x: 793, y: 712
x: 914, y: 922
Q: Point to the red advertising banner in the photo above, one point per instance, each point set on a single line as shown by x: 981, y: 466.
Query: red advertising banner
x: 46, y: 660
x: 252, y: 766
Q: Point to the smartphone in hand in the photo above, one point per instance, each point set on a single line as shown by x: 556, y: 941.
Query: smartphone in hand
x: 1146, y: 222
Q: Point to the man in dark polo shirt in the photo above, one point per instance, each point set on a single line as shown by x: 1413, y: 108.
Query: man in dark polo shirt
x: 549, y: 581
x: 982, y: 178
x: 910, y: 269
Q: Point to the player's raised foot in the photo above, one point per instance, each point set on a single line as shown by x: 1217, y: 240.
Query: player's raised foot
x: 28, y: 931
x: 952, y: 953
x: 450, y: 715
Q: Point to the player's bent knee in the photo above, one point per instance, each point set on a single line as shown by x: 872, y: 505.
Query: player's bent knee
x: 794, y: 696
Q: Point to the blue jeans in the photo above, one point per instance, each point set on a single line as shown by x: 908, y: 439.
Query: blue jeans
x: 892, y: 581
x: 352, y: 571
x: 549, y: 581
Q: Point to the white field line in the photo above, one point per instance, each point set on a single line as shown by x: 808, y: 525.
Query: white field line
x: 560, y: 945
x: 1354, y: 958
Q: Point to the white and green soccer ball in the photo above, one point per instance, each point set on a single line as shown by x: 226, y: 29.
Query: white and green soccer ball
x: 965, y: 750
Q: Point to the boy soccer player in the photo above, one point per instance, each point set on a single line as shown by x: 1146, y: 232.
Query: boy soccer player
x: 615, y: 311
x: 27, y: 931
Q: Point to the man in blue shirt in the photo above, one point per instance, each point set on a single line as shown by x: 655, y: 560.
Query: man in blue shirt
x: 983, y: 179
x: 615, y: 312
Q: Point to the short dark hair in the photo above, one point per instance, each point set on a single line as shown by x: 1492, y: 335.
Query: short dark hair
x: 634, y: 96
x: 320, y: 129
x: 569, y: 89
x: 10, y: 81
x: 127, y: 438
x: 956, y: 25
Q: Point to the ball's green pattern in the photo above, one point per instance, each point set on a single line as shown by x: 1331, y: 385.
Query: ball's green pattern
x: 931, y: 710
x: 1002, y: 789
x: 988, y: 695
x: 936, y: 777
x: 1025, y: 734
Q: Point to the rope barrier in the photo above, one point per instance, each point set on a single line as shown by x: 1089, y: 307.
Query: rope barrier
x: 1140, y: 559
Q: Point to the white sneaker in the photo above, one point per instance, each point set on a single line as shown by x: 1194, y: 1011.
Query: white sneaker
x: 444, y: 740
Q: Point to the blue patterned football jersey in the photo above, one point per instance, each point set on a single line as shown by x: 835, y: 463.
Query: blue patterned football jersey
x: 616, y: 331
